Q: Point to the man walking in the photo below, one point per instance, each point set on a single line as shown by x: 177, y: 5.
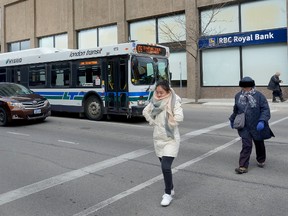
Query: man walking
x: 274, y: 86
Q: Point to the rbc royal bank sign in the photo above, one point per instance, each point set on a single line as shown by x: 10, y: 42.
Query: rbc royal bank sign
x: 244, y: 39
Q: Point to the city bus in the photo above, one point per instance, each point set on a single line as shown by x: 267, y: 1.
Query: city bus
x: 97, y: 82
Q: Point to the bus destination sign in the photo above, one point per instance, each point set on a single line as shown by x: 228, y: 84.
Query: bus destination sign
x: 152, y: 50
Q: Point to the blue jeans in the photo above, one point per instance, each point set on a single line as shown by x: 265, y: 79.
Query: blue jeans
x: 166, y: 163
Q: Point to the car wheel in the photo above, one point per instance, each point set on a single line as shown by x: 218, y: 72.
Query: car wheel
x: 93, y: 108
x: 3, y: 117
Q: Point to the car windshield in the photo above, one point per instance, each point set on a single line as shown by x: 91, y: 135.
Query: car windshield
x: 9, y: 90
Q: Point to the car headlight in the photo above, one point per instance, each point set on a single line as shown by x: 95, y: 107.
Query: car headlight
x: 16, y: 105
x: 46, y: 103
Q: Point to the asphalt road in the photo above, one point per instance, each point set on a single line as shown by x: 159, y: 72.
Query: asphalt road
x: 68, y: 166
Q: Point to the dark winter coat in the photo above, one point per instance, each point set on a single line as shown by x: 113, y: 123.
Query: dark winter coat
x: 253, y: 115
x: 274, y: 83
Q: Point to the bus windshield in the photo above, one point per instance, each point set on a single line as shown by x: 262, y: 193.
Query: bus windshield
x: 147, y: 70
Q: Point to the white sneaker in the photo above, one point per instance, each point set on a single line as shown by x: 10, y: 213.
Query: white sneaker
x: 166, y: 199
x: 172, y: 192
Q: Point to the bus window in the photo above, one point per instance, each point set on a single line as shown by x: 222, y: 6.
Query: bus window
x: 37, y: 75
x: 89, y: 73
x: 16, y: 75
x: 60, y: 75
x: 142, y: 71
x: 162, y: 69
x: 3, y: 75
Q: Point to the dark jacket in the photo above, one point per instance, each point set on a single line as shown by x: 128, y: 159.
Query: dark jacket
x: 274, y: 83
x: 253, y: 115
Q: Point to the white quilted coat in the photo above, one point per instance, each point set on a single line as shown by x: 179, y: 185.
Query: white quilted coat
x: 165, y: 146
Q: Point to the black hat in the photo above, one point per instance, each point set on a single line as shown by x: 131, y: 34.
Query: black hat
x: 246, y: 82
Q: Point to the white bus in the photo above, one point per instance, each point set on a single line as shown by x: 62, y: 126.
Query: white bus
x: 100, y: 81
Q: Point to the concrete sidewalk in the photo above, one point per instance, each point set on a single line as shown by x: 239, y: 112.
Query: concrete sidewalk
x: 228, y: 102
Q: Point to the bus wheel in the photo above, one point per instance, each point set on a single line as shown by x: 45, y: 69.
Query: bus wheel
x: 93, y: 109
x: 3, y: 117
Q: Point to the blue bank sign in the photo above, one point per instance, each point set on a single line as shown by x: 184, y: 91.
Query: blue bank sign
x: 244, y: 39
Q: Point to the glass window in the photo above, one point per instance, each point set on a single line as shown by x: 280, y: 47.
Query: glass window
x: 55, y: 41
x: 14, y: 46
x: 220, y: 20
x: 142, y: 71
x: 25, y: 45
x: 266, y: 14
x: 221, y: 67
x: 60, y: 75
x: 178, y: 66
x: 46, y: 42
x: 16, y: 75
x: 89, y: 73
x: 172, y: 29
x: 37, y: 75
x: 261, y: 62
x: 3, y: 75
x: 143, y: 31
x: 162, y: 67
x: 61, y: 41
x: 87, y: 39
x: 108, y: 35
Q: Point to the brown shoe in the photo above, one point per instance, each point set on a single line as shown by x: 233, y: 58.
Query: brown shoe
x: 241, y: 170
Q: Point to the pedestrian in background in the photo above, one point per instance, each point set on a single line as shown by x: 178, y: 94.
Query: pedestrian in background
x: 256, y: 128
x: 164, y: 112
x: 274, y: 86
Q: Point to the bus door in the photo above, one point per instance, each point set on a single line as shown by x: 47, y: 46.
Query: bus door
x: 3, y: 77
x: 116, y: 84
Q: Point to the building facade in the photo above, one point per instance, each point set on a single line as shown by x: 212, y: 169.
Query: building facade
x: 212, y: 43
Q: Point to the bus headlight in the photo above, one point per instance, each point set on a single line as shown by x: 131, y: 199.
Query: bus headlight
x: 140, y: 103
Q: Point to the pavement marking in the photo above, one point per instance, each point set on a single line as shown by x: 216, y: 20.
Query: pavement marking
x: 117, y: 197
x: 69, y: 176
x: 139, y: 187
x: 20, y: 134
x: 68, y: 142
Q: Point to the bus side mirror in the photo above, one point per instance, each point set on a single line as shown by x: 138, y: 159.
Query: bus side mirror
x: 170, y: 73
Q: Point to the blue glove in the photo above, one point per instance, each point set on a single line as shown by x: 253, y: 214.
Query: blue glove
x: 260, y: 126
x: 231, y: 124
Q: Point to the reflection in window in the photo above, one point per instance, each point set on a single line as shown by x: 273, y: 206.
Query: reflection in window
x: 260, y: 15
x: 143, y: 31
x: 103, y: 36
x: 37, y: 75
x: 172, y: 28
x: 108, y: 35
x: 55, y: 41
x: 16, y: 75
x: 270, y: 58
x: 60, y: 75
x: 177, y: 66
x: 89, y: 73
x: 142, y: 71
x: 220, y: 20
x: 3, y: 75
x: 225, y: 74
x: 87, y: 39
x: 21, y: 45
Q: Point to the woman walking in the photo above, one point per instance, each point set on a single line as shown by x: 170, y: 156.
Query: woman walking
x: 256, y: 129
x: 164, y: 112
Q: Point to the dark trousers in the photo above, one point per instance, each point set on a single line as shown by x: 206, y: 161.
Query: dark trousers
x: 166, y: 163
x: 277, y: 93
x: 247, y: 149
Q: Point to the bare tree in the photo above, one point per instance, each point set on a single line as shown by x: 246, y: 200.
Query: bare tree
x: 187, y: 36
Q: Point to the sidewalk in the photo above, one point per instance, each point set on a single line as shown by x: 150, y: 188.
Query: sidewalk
x: 229, y: 102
